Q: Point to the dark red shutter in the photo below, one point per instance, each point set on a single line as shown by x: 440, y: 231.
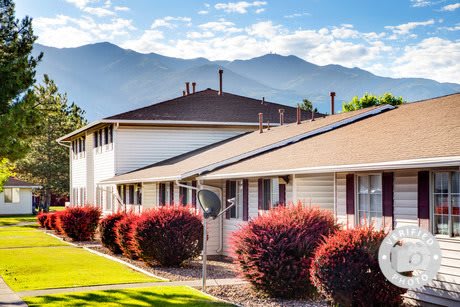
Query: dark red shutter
x: 245, y: 200
x: 350, y: 190
x: 423, y: 199
x: 194, y: 194
x: 387, y: 200
x: 260, y: 193
x: 162, y: 194
x: 282, y: 194
x: 227, y: 197
x: 171, y: 193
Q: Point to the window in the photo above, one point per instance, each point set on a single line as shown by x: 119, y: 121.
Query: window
x: 446, y: 200
x: 139, y: 195
x: 103, y: 138
x: 185, y: 195
x: 108, y: 198
x: 165, y: 194
x: 11, y: 195
x: 236, y: 191
x: 370, y: 200
x: 106, y: 135
x: 130, y: 192
x: 270, y: 193
x: 96, y: 139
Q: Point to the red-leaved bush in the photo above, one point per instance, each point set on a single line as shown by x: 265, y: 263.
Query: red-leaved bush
x: 124, y: 232
x: 274, y: 250
x: 345, y: 270
x: 41, y: 219
x: 107, y: 231
x: 80, y: 223
x: 53, y: 222
x: 168, y: 235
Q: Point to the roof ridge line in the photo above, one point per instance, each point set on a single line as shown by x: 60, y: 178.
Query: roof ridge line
x: 288, y: 141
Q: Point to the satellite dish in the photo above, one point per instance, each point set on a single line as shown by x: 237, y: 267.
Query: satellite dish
x: 210, y: 203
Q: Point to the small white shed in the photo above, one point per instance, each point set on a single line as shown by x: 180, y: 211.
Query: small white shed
x: 16, y: 197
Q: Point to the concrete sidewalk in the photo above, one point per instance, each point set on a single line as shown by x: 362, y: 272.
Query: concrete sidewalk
x: 191, y: 283
x: 8, y: 298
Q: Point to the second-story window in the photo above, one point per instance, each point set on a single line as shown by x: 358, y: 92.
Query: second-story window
x: 103, y: 139
x: 78, y: 148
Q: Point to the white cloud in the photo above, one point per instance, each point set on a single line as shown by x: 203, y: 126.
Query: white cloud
x: 258, y: 11
x: 405, y: 28
x: 295, y: 15
x: 220, y: 26
x: 453, y: 28
x: 98, y: 11
x: 421, y: 3
x: 264, y: 29
x: 451, y: 7
x: 203, y: 12
x: 65, y: 31
x: 80, y: 3
x: 168, y: 22
x: 433, y: 58
x: 121, y: 8
x: 240, y: 7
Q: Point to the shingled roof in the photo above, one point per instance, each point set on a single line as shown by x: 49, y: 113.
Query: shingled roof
x: 13, y: 182
x: 209, y: 106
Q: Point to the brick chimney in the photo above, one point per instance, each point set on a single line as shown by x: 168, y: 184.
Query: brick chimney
x: 221, y: 71
x: 187, y: 88
x: 281, y: 111
x: 193, y: 87
x: 261, y: 122
x: 332, y: 103
x: 299, y: 115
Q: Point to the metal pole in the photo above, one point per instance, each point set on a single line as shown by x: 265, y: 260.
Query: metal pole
x: 205, y: 246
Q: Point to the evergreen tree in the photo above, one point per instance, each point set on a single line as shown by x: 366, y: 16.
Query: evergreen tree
x: 17, y: 72
x: 47, y: 162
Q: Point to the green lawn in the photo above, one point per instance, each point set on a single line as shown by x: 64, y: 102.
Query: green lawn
x: 56, y: 208
x: 26, y: 236
x: 155, y: 296
x: 16, y: 219
x: 49, y: 265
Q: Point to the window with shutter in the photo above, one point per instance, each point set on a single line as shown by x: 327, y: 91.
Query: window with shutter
x: 446, y: 203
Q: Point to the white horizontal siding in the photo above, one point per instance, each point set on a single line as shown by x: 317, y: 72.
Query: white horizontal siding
x: 341, y: 198
x: 149, y: 195
x: 24, y: 206
x: 139, y: 147
x: 316, y: 190
x: 405, y: 198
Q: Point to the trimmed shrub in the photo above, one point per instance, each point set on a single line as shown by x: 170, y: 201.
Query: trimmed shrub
x: 124, y: 231
x: 274, y: 250
x: 345, y: 270
x: 80, y: 223
x: 41, y: 219
x: 168, y: 235
x: 107, y: 231
x: 53, y: 223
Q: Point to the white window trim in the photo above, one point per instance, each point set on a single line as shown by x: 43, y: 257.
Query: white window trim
x: 450, y: 234
x: 13, y: 200
x: 238, y: 204
x: 357, y: 211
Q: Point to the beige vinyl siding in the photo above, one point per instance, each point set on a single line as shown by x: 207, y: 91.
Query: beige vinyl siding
x: 78, y: 175
x: 214, y: 227
x: 341, y: 198
x: 24, y: 206
x: 405, y: 198
x: 149, y: 195
x: 138, y: 147
x: 316, y: 190
x: 90, y: 169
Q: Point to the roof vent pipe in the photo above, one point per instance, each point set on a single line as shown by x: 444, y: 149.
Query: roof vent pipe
x: 221, y: 71
x: 187, y: 87
x: 298, y: 115
x: 261, y: 122
x: 332, y: 103
x: 263, y: 100
x: 193, y: 87
x: 312, y: 114
x: 268, y: 125
x: 281, y: 111
x: 183, y: 93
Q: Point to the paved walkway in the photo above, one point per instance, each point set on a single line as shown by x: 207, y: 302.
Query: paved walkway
x: 9, y: 298
x: 191, y: 283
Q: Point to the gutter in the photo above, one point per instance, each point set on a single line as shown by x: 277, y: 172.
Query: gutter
x: 291, y: 140
x: 401, y: 164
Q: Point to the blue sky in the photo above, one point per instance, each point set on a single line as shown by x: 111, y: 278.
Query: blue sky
x: 397, y: 38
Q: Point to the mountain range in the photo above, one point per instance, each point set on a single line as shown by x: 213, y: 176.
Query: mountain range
x: 105, y: 79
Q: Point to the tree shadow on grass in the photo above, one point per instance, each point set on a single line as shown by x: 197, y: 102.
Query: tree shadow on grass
x: 128, y: 298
